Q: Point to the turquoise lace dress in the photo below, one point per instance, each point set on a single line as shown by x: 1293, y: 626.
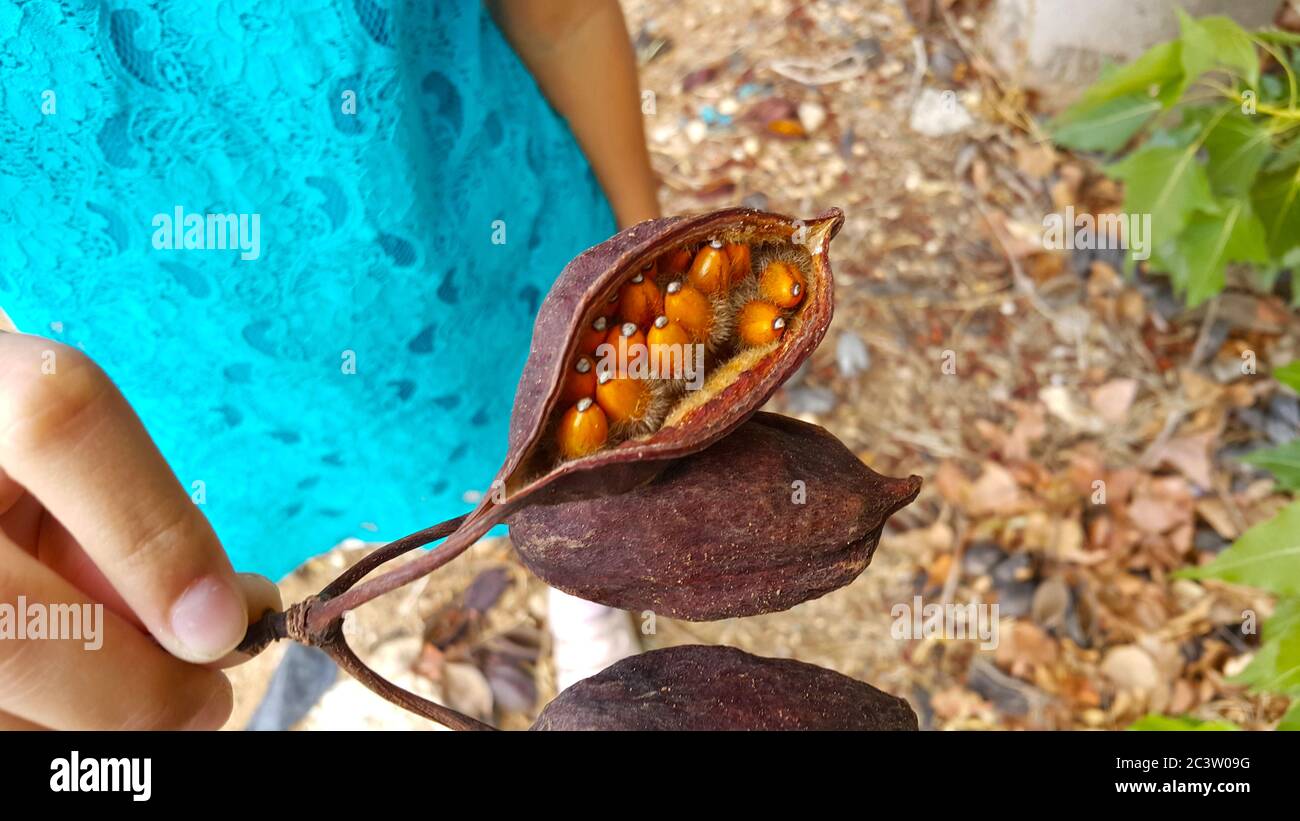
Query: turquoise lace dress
x: 414, y: 197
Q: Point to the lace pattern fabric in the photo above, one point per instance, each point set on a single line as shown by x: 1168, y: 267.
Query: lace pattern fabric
x: 414, y: 195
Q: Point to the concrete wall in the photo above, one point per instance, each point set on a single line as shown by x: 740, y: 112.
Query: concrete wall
x: 1056, y: 47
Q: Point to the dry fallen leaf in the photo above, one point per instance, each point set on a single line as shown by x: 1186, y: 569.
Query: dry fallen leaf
x: 1112, y: 400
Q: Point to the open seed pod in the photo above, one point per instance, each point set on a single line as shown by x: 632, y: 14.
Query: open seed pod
x: 564, y: 445
x: 695, y: 687
x: 647, y: 429
x: 776, y: 513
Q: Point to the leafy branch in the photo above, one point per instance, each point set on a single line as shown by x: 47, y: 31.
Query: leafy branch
x: 1203, y: 133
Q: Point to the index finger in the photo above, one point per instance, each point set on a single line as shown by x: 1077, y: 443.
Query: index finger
x: 70, y: 437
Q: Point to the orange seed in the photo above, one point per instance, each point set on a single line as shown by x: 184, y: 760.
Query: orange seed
x: 580, y: 381
x: 583, y: 429
x: 738, y: 261
x: 690, y: 309
x: 709, y: 271
x: 622, y: 398
x: 782, y: 284
x: 759, y: 323
x: 675, y: 263
x: 639, y: 301
x: 594, y: 335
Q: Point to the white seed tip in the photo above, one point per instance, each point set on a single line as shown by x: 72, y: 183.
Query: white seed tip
x: 796, y: 289
x: 583, y: 365
x: 674, y: 286
x: 661, y: 322
x: 605, y: 376
x: 638, y: 279
x: 600, y: 324
x: 778, y: 324
x: 584, y: 403
x: 628, y: 328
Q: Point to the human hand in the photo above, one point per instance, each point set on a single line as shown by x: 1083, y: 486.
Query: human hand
x: 91, y: 513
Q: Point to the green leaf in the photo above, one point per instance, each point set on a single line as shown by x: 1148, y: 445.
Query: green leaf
x: 1166, y: 183
x: 1237, y: 147
x: 1291, y: 721
x: 1276, y: 197
x: 1266, y: 556
x: 1283, y: 462
x: 1106, y: 125
x: 1289, y: 375
x: 1217, y: 42
x: 1210, y: 242
x: 1158, y: 73
x: 1160, y: 723
x: 1265, y: 671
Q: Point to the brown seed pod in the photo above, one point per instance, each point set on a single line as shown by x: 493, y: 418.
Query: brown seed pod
x: 538, y: 470
x: 697, y: 687
x: 731, y: 392
x: 694, y: 543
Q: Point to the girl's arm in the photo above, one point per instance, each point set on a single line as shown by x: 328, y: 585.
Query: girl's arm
x: 581, y: 57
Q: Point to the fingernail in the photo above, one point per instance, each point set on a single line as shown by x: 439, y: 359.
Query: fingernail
x: 209, y: 619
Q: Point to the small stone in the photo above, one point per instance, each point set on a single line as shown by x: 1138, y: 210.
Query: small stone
x: 851, y: 355
x: 1015, y: 599
x: 1129, y: 667
x: 812, y: 116
x: 1017, y: 567
x: 981, y: 557
x: 939, y: 114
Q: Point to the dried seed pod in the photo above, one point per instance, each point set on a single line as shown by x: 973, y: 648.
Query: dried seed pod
x: 738, y: 262
x: 733, y: 387
x: 781, y: 284
x: 580, y: 381
x: 697, y: 687
x: 593, y: 335
x: 759, y: 323
x: 709, y: 274
x: 639, y: 301
x: 582, y: 430
x: 695, y: 543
